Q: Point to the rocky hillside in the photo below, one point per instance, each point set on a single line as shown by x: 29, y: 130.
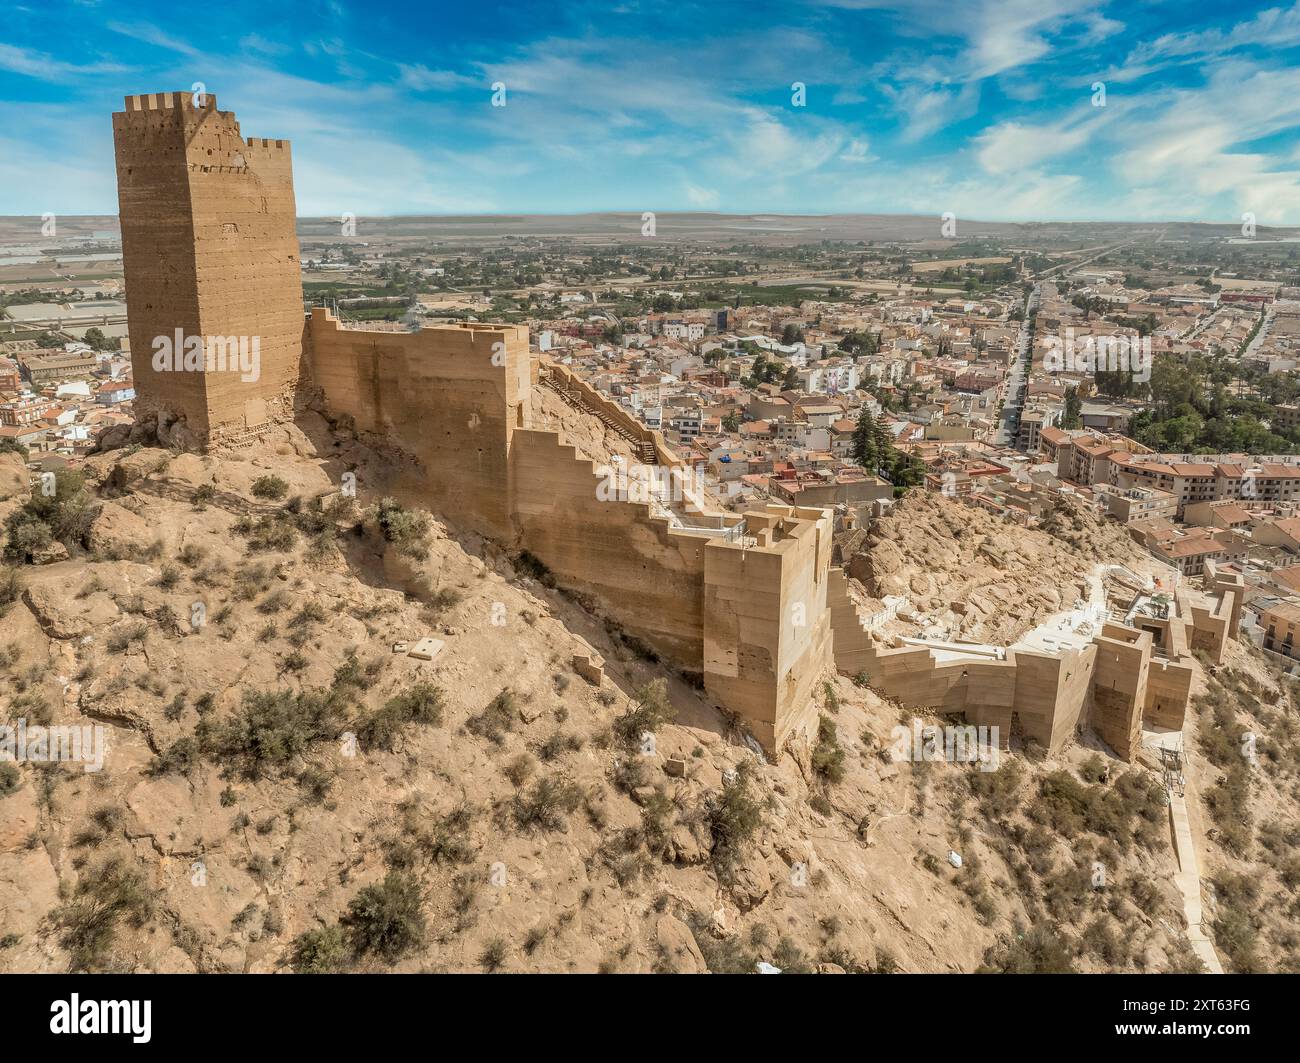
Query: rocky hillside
x: 1245, y: 772
x: 979, y: 576
x: 284, y: 789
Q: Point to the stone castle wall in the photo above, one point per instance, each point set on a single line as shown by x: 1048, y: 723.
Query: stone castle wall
x: 1116, y: 685
x: 767, y: 628
x: 616, y: 552
x: 751, y: 620
x: 450, y: 395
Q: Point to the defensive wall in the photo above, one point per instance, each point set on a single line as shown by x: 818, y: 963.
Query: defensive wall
x: 738, y: 600
x: 750, y: 603
x: 1129, y: 675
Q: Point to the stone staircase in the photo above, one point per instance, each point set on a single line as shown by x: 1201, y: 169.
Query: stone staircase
x: 644, y: 448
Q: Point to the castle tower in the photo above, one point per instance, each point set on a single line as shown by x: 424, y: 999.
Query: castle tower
x: 210, y: 253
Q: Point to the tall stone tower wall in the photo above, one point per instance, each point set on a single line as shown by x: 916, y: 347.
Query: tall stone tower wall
x: 210, y: 250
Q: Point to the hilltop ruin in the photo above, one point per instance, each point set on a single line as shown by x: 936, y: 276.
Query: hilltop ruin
x: 747, y: 603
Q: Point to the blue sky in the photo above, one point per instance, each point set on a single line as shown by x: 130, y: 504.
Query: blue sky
x: 982, y: 108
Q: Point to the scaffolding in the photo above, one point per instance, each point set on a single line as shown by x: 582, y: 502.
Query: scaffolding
x: 1171, y: 766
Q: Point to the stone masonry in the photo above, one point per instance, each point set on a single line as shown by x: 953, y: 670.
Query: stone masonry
x: 210, y: 251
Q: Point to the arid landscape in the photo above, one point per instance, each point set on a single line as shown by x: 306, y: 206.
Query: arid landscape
x: 617, y: 491
x: 285, y: 791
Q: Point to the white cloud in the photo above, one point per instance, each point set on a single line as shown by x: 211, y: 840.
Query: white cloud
x: 1011, y: 146
x: 38, y: 65
x: 420, y: 78
x: 926, y: 109
x: 704, y: 198
x: 151, y: 34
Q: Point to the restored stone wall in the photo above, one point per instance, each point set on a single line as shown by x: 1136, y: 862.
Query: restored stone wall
x: 606, y: 407
x: 1169, y: 686
x: 641, y: 572
x: 1049, y: 694
x: 987, y: 691
x: 449, y: 395
x: 1120, y: 688
x: 209, y: 248
x: 852, y: 643
x: 457, y: 399
x: 1052, y: 693
x: 767, y: 631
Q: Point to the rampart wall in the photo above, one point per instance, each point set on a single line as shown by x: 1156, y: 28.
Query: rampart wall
x: 1117, y: 684
x: 641, y: 571
x: 664, y: 455
x: 767, y: 630
x: 449, y: 395
x: 746, y: 613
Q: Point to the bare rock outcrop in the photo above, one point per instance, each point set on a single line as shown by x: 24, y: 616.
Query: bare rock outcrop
x: 14, y: 477
x: 982, y: 577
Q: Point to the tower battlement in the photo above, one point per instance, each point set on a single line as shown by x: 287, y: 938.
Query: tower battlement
x: 209, y: 248
x: 264, y: 142
x: 177, y: 102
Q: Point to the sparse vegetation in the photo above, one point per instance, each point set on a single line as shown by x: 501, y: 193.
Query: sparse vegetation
x: 422, y: 703
x: 386, y: 919
x: 650, y: 710
x: 270, y: 488
x: 827, y: 753
x: 407, y: 529
x: 63, y: 516
x: 1035, y: 951
x: 734, y: 818
x: 106, y: 896
x: 496, y: 720
x: 320, y: 951
x: 546, y: 804
x: 11, y: 587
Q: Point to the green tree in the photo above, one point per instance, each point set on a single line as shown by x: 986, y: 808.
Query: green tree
x: 95, y: 339
x: 883, y: 440
x: 864, y: 441
x: 1073, y: 407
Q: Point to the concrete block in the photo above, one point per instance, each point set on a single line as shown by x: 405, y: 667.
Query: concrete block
x: 590, y: 668
x: 427, y: 649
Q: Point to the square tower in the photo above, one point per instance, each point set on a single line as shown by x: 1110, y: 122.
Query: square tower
x: 210, y: 253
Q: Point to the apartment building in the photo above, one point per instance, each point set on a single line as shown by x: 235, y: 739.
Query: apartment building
x: 1226, y: 513
x: 1280, y: 622
x: 1286, y: 417
x: 1032, y: 423
x: 1283, y: 532
x: 23, y: 412
x: 1088, y: 460
x: 43, y: 368
x: 1130, y: 504
x: 1189, y: 552
x: 1194, y: 482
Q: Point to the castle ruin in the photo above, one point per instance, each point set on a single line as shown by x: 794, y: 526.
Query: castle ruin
x: 749, y: 603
